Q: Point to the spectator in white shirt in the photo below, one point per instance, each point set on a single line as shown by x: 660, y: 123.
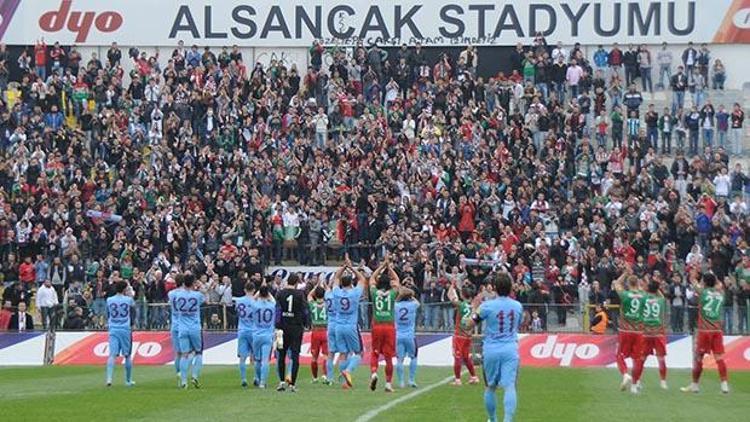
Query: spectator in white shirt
x: 722, y: 182
x: 573, y: 76
x: 46, y: 300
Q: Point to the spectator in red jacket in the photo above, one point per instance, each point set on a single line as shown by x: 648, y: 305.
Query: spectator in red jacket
x: 26, y: 272
x: 40, y: 58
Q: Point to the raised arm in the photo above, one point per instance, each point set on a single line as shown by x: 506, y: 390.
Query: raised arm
x: 453, y: 295
x: 395, y: 280
x: 361, y: 280
x: 619, y: 283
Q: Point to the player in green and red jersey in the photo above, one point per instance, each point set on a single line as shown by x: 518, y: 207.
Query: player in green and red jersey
x: 319, y: 332
x: 462, y: 334
x: 384, y: 288
x: 630, y: 336
x: 654, y: 334
x: 710, y: 338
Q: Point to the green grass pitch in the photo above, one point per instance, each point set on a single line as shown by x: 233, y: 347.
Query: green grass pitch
x: 78, y: 393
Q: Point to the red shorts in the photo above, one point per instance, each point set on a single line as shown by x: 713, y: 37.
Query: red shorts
x: 318, y: 342
x: 655, y: 345
x: 710, y: 342
x: 384, y: 340
x: 630, y: 345
x: 461, y: 347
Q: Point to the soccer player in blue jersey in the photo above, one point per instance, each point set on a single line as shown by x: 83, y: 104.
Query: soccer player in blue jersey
x: 189, y: 304
x: 406, y: 342
x: 502, y: 316
x: 331, y: 332
x: 174, y: 323
x: 244, y: 307
x: 119, y: 311
x: 346, y: 298
x: 263, y: 309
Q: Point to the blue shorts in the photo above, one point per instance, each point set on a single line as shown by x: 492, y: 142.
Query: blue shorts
x: 175, y: 335
x: 244, y: 344
x: 500, y: 365
x: 348, y: 339
x: 120, y: 343
x: 406, y: 347
x: 331, y: 333
x: 191, y: 341
x: 262, y: 345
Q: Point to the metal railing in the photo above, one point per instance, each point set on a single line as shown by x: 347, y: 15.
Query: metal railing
x: 681, y: 319
x: 432, y: 317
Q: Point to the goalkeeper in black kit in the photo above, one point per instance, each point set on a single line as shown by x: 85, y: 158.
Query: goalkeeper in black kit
x: 292, y: 318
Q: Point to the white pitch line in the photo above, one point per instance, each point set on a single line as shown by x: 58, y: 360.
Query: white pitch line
x: 378, y: 410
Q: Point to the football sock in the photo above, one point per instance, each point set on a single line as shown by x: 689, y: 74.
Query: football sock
x: 490, y: 403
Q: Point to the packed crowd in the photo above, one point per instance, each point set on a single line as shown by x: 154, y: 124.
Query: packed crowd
x: 196, y: 161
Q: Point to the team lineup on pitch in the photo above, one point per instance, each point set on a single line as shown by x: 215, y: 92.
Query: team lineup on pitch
x: 271, y: 323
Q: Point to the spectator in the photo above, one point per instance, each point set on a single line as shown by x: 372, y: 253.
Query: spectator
x: 75, y: 320
x: 114, y: 55
x: 40, y: 59
x: 644, y: 63
x: 46, y: 301
x: 689, y: 58
x: 664, y: 60
x: 573, y: 76
x: 6, y: 314
x: 719, y: 75
x: 21, y: 320
x: 737, y: 129
x: 679, y: 84
x: 630, y: 62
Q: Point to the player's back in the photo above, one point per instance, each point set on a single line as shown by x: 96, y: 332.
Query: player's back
x: 631, y: 310
x: 406, y: 318
x: 502, y: 318
x: 263, y: 319
x: 118, y: 312
x: 383, y: 305
x: 318, y: 313
x: 710, y: 310
x: 189, y: 305
x: 174, y: 314
x: 346, y: 305
x: 463, y: 315
x: 292, y: 307
x: 654, y: 309
x: 244, y: 307
x: 330, y: 309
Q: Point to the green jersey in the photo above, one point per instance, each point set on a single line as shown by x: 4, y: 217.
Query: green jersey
x: 318, y: 313
x: 631, y: 310
x: 383, y: 305
x: 463, y: 315
x: 711, y: 307
x: 654, y: 309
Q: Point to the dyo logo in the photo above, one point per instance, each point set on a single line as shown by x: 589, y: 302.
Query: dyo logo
x: 564, y: 351
x: 146, y: 349
x: 79, y: 23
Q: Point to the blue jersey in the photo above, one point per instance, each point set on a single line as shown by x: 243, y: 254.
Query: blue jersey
x: 406, y: 318
x: 502, y: 317
x: 118, y: 312
x: 189, y: 307
x: 330, y: 309
x: 174, y: 314
x: 264, y: 317
x: 244, y: 306
x: 346, y: 305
